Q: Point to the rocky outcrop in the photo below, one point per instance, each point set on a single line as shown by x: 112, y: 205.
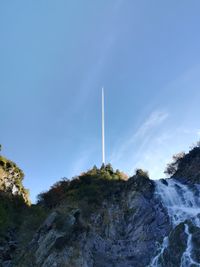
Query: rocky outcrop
x: 188, y: 169
x: 121, y: 232
x: 177, y: 245
x: 14, y: 200
x: 11, y: 179
x: 101, y: 220
x: 8, y: 246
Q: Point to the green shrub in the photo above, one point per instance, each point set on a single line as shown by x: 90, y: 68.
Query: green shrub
x: 11, y: 209
x: 31, y: 218
x: 142, y: 173
x: 92, y: 187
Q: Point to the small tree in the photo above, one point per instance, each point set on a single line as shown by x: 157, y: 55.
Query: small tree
x: 109, y: 168
x: 173, y: 166
x: 102, y: 166
x: 142, y: 173
x: 95, y: 168
x: 121, y: 175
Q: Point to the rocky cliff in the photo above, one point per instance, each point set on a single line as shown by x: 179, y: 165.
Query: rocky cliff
x: 11, y: 177
x: 100, y: 219
x: 14, y: 199
x: 121, y: 231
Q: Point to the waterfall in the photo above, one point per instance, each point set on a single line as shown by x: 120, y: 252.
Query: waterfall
x: 186, y: 259
x: 155, y: 261
x: 182, y: 206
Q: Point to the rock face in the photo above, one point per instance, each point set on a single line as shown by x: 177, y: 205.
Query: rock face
x: 13, y: 201
x: 188, y: 170
x: 8, y: 246
x: 100, y: 220
x: 11, y: 179
x: 122, y: 232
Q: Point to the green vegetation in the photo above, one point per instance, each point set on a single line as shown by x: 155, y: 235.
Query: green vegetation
x: 31, y: 219
x: 8, y: 165
x: 180, y: 160
x: 10, y: 209
x: 173, y: 166
x: 92, y: 187
x: 9, y: 168
x: 18, y: 218
x: 142, y: 173
x: 14, y: 205
x: 85, y: 192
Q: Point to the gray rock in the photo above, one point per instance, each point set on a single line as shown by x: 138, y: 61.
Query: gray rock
x: 120, y: 233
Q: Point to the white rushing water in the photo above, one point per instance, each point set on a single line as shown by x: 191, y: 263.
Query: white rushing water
x: 181, y: 205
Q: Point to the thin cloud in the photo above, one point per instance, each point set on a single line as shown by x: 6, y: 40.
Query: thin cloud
x: 141, y: 136
x: 155, y: 119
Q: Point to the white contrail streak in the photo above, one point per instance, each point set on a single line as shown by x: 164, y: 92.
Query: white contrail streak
x: 103, y: 129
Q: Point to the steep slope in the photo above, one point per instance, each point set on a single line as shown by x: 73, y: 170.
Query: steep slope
x: 103, y: 219
x: 11, y: 178
x: 13, y: 199
x: 188, y: 167
x: 18, y: 219
x: 120, y: 230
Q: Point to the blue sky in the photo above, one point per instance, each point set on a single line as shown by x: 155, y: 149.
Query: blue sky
x: 56, y: 55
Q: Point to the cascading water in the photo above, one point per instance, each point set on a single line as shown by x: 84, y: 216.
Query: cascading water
x: 182, y: 206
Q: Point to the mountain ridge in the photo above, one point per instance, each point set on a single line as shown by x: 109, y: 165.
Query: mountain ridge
x: 101, y: 218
